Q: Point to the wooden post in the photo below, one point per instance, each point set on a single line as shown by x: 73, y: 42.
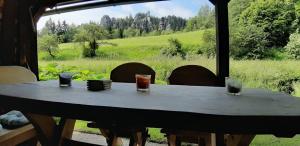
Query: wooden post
x: 222, y: 33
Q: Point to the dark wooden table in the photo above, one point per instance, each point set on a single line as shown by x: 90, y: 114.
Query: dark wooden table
x: 206, y: 109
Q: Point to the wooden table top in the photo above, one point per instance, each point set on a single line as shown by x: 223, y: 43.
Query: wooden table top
x: 207, y: 104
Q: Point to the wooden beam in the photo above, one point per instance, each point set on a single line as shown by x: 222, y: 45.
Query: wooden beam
x: 97, y: 4
x: 222, y: 34
x: 27, y: 37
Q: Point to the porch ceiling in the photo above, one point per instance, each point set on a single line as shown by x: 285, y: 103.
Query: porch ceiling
x: 64, y: 6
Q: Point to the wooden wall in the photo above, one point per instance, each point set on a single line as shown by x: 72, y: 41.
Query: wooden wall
x: 1, y: 8
x: 18, y: 45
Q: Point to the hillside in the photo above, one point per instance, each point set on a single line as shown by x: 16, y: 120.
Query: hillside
x: 129, y: 48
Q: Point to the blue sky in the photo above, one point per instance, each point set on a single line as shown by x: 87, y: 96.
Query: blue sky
x: 183, y: 8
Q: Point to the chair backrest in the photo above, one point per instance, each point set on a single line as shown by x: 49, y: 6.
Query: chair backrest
x: 126, y: 72
x: 193, y: 75
x: 16, y: 74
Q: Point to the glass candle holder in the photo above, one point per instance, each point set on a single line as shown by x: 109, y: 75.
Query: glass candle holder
x: 234, y: 87
x: 65, y: 79
x: 143, y: 82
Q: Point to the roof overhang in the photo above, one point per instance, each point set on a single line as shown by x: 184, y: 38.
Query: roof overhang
x: 77, y: 5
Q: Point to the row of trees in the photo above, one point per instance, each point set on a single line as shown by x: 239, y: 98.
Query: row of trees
x: 109, y: 28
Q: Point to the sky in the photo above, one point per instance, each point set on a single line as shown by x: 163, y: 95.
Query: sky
x: 183, y: 8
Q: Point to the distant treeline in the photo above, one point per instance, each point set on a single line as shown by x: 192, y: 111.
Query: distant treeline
x: 142, y: 24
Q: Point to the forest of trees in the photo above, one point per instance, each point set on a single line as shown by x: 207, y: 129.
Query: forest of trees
x: 258, y: 28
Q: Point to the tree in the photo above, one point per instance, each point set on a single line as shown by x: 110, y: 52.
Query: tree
x: 236, y: 7
x: 209, y: 42
x: 205, y: 19
x: 90, y: 33
x: 106, y: 23
x: 275, y: 17
x: 50, y: 26
x: 293, y: 47
x: 174, y: 49
x: 249, y: 42
x: 48, y: 43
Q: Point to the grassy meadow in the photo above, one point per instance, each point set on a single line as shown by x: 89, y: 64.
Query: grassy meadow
x: 253, y: 73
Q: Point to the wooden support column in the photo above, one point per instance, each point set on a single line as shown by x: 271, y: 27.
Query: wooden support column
x: 27, y: 37
x: 222, y: 33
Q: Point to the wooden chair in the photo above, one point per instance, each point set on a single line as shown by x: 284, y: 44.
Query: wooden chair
x: 196, y: 76
x: 193, y: 75
x: 27, y: 133
x: 126, y: 72
x: 138, y: 135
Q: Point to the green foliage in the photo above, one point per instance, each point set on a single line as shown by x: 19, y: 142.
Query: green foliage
x: 275, y: 17
x: 209, y: 42
x: 52, y: 70
x: 90, y: 32
x: 293, y: 47
x: 205, y: 19
x: 236, y: 7
x: 249, y: 42
x: 130, y: 32
x: 174, y: 49
x: 90, y: 51
x: 63, y: 31
x: 48, y: 43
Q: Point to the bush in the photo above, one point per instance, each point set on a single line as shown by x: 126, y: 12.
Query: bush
x: 293, y: 46
x: 52, y: 70
x: 90, y: 51
x: 275, y: 17
x: 174, y: 49
x: 249, y: 42
x: 209, y: 43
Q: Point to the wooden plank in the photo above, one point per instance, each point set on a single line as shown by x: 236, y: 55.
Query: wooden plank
x: 48, y: 132
x: 239, y: 140
x: 220, y: 139
x: 45, y: 127
x: 65, y: 129
x: 222, y: 34
x: 69, y: 142
x: 207, y: 109
x: 16, y: 136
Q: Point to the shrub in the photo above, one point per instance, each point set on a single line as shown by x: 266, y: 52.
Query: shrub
x: 90, y: 51
x: 249, y: 42
x: 293, y: 47
x: 174, y: 49
x: 209, y: 43
x: 275, y: 17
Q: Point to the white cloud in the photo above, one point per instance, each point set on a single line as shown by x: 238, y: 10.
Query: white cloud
x: 168, y: 8
x: 128, y: 9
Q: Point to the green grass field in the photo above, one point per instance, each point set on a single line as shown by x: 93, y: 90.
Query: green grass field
x: 253, y: 73
x: 140, y: 48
